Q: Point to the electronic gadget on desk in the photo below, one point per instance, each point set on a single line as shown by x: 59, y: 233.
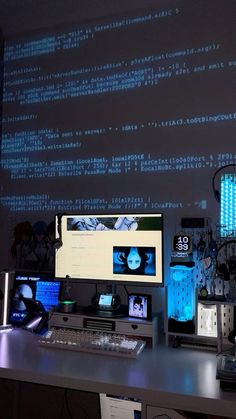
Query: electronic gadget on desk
x: 140, y: 306
x: 182, y: 249
x: 226, y: 365
x: 106, y: 305
x: 33, y: 295
x: 107, y: 302
x: 226, y: 371
x: 67, y: 306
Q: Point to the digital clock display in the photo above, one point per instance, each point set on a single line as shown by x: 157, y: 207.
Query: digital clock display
x: 182, y: 243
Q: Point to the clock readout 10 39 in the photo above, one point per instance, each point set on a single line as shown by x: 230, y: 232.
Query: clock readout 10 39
x: 182, y: 243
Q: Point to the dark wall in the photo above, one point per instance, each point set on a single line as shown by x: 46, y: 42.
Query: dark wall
x: 135, y: 113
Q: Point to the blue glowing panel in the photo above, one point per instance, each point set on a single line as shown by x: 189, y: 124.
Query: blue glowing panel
x: 41, y: 287
x: 181, y: 294
x: 228, y: 206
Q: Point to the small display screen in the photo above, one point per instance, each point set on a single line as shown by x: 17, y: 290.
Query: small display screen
x: 139, y: 305
x: 105, y: 300
x: 41, y: 287
x: 182, y: 243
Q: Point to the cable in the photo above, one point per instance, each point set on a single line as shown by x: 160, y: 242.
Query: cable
x: 127, y: 292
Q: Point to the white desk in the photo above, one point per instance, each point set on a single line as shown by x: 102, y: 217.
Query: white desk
x: 175, y: 378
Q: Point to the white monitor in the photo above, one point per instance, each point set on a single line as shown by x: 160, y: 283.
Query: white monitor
x: 116, y: 248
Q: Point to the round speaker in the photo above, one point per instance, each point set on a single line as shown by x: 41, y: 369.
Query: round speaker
x: 67, y: 306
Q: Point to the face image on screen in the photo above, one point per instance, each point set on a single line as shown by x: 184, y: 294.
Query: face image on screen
x: 138, y: 306
x: 121, y: 248
x: 38, y: 287
x: 134, y: 260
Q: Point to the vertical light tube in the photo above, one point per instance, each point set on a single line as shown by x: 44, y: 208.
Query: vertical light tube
x: 228, y: 206
x: 5, y: 305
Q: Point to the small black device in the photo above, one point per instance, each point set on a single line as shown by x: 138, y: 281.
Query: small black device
x: 67, y: 306
x: 107, y: 302
x: 140, y: 305
x: 193, y: 222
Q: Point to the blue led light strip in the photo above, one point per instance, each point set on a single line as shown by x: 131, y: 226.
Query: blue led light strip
x: 228, y: 206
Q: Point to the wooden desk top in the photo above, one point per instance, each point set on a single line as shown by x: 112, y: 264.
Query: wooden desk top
x: 175, y: 378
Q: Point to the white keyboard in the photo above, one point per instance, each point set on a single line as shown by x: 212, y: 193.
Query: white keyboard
x: 92, y: 342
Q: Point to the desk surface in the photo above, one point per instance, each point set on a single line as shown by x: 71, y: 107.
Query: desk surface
x: 174, y: 378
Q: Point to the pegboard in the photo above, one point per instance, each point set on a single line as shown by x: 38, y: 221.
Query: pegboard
x: 227, y: 319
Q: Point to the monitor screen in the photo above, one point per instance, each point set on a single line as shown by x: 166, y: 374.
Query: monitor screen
x: 37, y: 286
x: 122, y: 248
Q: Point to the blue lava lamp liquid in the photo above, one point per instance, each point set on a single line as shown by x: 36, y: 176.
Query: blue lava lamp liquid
x: 181, y: 294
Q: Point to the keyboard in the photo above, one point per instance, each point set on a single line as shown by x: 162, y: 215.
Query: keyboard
x: 92, y: 342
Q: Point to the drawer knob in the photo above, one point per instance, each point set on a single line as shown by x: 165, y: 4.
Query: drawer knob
x: 65, y: 319
x: 134, y: 326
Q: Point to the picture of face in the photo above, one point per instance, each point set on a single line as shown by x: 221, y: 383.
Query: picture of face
x: 139, y: 305
x: 133, y: 259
